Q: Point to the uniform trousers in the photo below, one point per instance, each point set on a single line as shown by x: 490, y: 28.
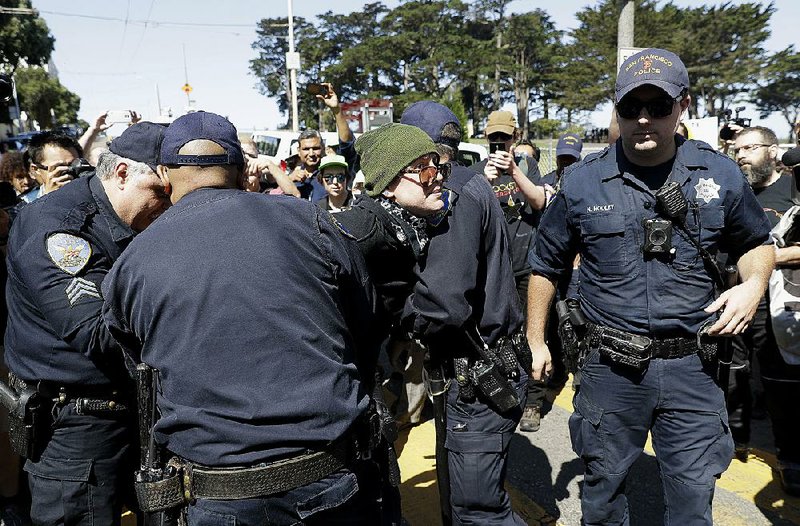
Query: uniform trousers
x: 85, y: 473
x: 679, y: 403
x: 477, y: 444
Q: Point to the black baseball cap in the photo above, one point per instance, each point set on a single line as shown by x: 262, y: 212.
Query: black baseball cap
x: 140, y: 142
x: 657, y: 67
x: 201, y: 125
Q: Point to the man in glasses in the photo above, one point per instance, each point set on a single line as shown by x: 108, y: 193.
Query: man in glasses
x: 647, y: 216
x: 333, y: 176
x: 48, y: 157
x: 756, y: 151
x: 466, y: 310
x: 403, y: 193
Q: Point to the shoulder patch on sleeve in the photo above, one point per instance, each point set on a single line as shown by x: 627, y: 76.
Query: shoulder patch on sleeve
x: 70, y: 253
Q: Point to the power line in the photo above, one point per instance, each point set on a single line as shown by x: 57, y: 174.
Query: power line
x: 154, y: 22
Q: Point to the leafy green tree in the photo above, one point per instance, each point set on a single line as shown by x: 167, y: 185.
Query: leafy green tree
x: 780, y: 89
x: 723, y: 49
x: 23, y: 38
x: 40, y: 93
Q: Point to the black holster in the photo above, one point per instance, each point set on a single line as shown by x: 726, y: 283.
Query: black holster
x: 572, y: 331
x: 26, y: 418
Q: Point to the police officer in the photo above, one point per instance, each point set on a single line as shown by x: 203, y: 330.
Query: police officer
x: 646, y: 215
x: 260, y: 394
x: 60, y: 249
x: 465, y: 303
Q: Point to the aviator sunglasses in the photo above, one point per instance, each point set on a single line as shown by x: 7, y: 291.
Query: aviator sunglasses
x: 658, y: 108
x: 427, y: 175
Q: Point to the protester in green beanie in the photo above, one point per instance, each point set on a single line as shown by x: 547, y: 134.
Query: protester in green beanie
x: 387, y: 151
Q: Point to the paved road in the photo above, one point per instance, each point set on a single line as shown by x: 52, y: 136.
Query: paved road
x: 544, y: 478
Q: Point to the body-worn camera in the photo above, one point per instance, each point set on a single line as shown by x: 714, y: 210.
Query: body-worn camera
x: 657, y: 236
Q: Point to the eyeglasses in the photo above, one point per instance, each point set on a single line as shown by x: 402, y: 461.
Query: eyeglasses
x: 339, y: 178
x: 48, y: 168
x: 428, y: 174
x: 747, y: 148
x: 658, y: 108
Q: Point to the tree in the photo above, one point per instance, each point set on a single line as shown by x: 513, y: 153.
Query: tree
x: 722, y: 48
x: 23, y: 38
x: 40, y: 93
x: 780, y: 88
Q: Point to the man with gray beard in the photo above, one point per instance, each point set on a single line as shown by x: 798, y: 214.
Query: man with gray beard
x: 756, y: 150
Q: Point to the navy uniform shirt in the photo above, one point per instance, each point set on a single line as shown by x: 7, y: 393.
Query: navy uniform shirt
x: 60, y: 248
x: 599, y: 212
x: 255, y: 310
x: 467, y: 274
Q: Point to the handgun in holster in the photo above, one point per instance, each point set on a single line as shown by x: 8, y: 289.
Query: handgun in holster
x: 572, y: 328
x: 24, y: 419
x: 158, y: 490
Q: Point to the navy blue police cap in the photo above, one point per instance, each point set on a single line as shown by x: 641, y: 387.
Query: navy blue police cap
x: 431, y: 117
x: 201, y: 125
x: 140, y: 142
x: 569, y: 144
x: 657, y: 67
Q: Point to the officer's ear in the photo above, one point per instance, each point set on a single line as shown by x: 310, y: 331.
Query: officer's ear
x: 121, y: 174
x: 163, y: 174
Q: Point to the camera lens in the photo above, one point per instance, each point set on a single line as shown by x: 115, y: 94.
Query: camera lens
x: 658, y: 237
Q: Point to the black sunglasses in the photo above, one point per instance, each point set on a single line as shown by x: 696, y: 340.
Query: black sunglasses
x: 658, y: 108
x: 340, y: 178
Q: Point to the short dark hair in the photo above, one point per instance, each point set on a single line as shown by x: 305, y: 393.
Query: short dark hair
x: 311, y: 134
x: 451, y: 132
x: 767, y: 135
x: 37, y: 144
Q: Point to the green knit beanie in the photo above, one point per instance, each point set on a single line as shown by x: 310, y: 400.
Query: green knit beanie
x: 386, y: 151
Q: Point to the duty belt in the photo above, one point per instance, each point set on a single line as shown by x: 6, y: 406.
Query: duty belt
x: 647, y: 347
x: 88, y: 399
x: 194, y: 481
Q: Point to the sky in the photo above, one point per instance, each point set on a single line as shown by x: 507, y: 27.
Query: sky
x: 118, y: 54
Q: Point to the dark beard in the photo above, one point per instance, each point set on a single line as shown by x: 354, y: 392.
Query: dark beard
x: 758, y: 174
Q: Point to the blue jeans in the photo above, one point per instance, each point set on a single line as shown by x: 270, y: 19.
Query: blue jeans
x: 85, y: 473
x: 677, y: 401
x: 343, y: 498
x: 477, y: 443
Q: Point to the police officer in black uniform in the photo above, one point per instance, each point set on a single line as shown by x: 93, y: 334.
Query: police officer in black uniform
x: 465, y: 307
x: 646, y: 216
x: 257, y: 312
x: 61, y: 247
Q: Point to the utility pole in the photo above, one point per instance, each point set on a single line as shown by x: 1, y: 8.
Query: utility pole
x: 625, y: 25
x: 186, y: 76
x: 293, y: 64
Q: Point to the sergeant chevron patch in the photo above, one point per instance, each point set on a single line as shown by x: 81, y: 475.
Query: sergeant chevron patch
x: 79, y: 288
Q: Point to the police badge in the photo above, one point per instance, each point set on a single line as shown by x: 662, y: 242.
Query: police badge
x: 71, y: 253
x: 707, y: 189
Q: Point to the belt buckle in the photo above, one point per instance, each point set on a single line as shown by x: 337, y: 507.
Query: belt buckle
x: 642, y: 344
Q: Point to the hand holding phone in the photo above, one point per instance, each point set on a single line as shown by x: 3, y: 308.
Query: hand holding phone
x: 114, y: 116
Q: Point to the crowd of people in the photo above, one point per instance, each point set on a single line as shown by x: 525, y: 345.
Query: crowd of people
x: 202, y: 336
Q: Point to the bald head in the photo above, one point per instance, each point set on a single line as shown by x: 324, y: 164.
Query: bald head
x: 186, y: 178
